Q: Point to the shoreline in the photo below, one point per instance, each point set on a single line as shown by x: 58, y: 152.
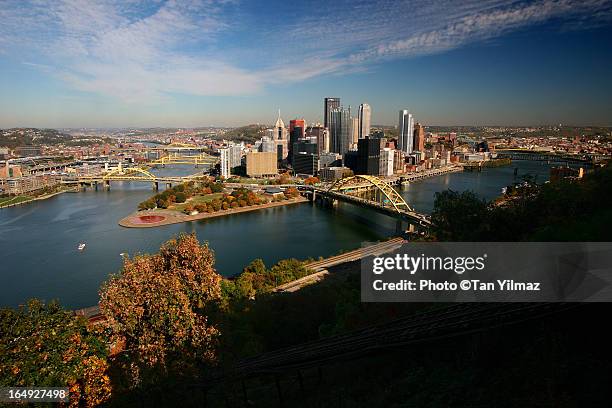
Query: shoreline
x: 40, y: 198
x: 176, y: 217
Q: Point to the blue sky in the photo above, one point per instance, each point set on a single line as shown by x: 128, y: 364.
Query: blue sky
x: 116, y: 63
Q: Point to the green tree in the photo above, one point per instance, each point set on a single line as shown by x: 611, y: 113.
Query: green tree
x: 458, y: 216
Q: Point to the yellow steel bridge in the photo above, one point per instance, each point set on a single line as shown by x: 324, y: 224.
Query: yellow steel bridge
x: 375, y: 193
x: 195, y: 160
x: 130, y: 174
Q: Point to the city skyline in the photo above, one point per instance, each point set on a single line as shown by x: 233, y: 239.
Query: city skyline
x: 177, y: 64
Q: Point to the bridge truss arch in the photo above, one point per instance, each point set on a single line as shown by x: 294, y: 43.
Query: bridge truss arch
x: 129, y: 172
x: 393, y: 197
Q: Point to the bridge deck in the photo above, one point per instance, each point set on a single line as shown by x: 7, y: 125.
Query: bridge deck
x: 421, y: 219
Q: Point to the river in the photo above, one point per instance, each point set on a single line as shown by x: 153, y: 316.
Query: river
x: 38, y: 241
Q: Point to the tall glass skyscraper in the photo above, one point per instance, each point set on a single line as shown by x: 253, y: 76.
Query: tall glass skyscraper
x: 329, y: 104
x: 365, y: 115
x: 340, y: 130
x: 405, y: 137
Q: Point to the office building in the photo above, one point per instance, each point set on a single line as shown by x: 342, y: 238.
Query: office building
x: 351, y: 160
x: 27, y: 184
x: 334, y: 173
x: 305, y: 146
x: 329, y: 105
x: 365, y: 116
x: 385, y: 164
x: 405, y: 136
x: 322, y: 135
x: 330, y: 160
x: 261, y: 164
x: 305, y: 163
x: 280, y: 136
x: 398, y: 162
x: 340, y: 130
x: 296, y: 134
x: 419, y: 137
x: 225, y: 162
x: 235, y: 154
x: 301, y: 123
x: 267, y: 145
x: 368, y: 155
x: 355, y: 134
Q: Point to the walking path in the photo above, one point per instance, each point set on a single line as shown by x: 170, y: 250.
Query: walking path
x: 157, y: 218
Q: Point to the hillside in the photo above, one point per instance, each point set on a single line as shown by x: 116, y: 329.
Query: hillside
x: 30, y: 136
x: 14, y: 137
x: 248, y: 133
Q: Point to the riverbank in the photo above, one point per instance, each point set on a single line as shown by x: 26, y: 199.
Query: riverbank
x: 158, y: 218
x: 8, y: 204
x: 318, y: 269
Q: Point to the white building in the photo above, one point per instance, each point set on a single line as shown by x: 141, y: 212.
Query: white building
x: 225, y: 162
x: 267, y: 145
x: 365, y: 117
x: 279, y: 136
x: 235, y: 154
x: 386, y: 162
x: 405, y: 137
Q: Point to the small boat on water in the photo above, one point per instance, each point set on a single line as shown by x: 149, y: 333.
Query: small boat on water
x: 81, y: 246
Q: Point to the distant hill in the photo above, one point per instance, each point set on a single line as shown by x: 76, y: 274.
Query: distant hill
x: 30, y: 136
x: 248, y: 133
x: 14, y: 137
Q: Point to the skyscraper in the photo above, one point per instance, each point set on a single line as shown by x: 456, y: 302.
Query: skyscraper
x: 322, y: 135
x: 368, y: 155
x: 340, y: 130
x: 419, y: 137
x: 293, y: 123
x: 365, y: 115
x: 386, y: 162
x: 295, y: 135
x: 280, y: 135
x: 225, y: 162
x: 354, y: 134
x: 329, y: 104
x: 405, y: 137
x: 280, y: 129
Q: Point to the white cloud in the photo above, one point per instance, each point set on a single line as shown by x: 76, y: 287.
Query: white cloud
x: 140, y: 51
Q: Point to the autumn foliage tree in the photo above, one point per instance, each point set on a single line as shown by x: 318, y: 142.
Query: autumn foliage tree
x: 155, y: 306
x: 44, y: 345
x: 291, y: 192
x: 311, y: 181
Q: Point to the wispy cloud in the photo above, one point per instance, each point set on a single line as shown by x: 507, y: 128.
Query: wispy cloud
x: 139, y: 51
